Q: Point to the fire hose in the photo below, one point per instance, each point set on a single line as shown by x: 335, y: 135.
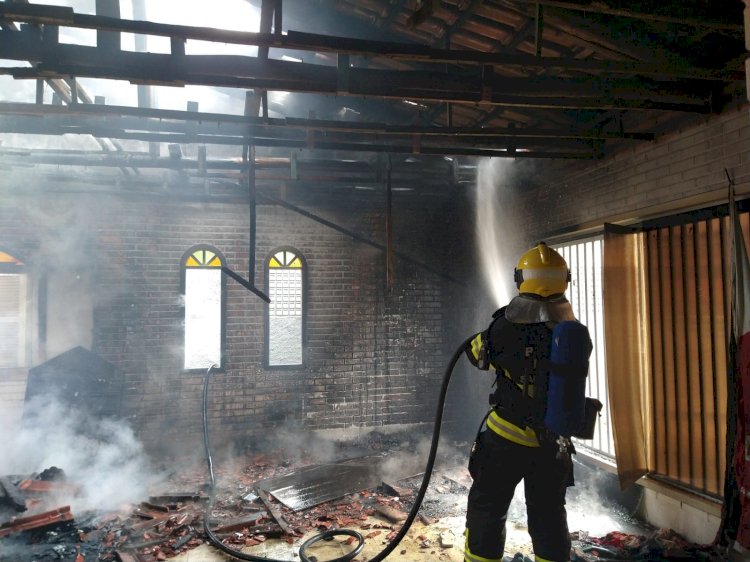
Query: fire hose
x: 329, y: 535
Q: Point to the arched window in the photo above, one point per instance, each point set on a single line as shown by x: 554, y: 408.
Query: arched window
x: 203, y: 287
x: 285, y: 320
x: 13, y: 320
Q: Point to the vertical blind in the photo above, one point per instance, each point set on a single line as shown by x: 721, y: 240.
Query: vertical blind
x: 688, y: 286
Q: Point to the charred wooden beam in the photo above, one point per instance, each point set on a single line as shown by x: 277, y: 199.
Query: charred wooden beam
x: 31, y: 13
x: 220, y: 124
x: 432, y: 171
x: 68, y: 89
x: 490, y: 148
x: 404, y: 143
x: 600, y: 8
x: 108, y: 40
x: 388, y: 224
x: 248, y: 72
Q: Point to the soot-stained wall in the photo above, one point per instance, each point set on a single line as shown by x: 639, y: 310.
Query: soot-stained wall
x: 374, y: 355
x: 685, y: 169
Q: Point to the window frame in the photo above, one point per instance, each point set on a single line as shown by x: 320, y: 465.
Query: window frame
x: 267, y: 311
x: 223, y: 306
x: 21, y: 268
x: 570, y: 250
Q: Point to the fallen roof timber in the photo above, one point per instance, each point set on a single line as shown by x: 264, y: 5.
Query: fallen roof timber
x: 56, y: 15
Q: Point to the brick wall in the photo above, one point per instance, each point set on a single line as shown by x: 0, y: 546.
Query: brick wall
x: 679, y: 171
x: 374, y: 357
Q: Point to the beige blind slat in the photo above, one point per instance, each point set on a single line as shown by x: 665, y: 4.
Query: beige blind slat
x: 688, y: 288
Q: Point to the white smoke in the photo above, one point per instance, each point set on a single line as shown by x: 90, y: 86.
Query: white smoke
x: 102, y: 458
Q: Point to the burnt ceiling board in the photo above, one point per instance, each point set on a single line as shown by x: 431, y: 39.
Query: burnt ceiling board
x: 546, y: 79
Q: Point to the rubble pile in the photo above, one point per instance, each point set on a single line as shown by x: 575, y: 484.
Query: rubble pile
x: 34, y: 528
x: 162, y: 526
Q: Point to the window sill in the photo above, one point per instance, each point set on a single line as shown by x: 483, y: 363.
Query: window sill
x: 703, y: 503
x: 599, y: 461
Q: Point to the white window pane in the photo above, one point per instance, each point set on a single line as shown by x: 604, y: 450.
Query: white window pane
x: 12, y: 320
x: 285, y: 345
x: 285, y: 317
x: 202, y: 318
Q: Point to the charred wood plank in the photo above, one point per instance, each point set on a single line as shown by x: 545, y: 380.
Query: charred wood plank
x: 41, y: 520
x: 151, y: 523
x: 270, y: 530
x: 250, y: 523
x: 274, y: 511
x: 174, y: 498
x: 182, y: 541
x: 155, y: 506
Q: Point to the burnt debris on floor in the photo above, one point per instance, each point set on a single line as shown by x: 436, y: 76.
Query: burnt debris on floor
x: 249, y: 508
x: 264, y: 498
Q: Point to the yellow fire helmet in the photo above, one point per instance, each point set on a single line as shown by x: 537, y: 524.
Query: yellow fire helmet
x: 542, y: 272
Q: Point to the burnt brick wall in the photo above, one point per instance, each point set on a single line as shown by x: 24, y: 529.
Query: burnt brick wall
x: 374, y: 356
x: 678, y: 171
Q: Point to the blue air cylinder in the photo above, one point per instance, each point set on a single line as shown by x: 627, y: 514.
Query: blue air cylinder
x: 569, y: 367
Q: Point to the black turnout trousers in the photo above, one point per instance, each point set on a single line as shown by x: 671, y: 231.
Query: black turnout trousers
x: 497, y: 465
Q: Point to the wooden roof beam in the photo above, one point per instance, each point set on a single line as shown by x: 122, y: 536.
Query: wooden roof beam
x: 60, y: 61
x: 55, y: 15
x: 129, y: 118
x: 600, y: 8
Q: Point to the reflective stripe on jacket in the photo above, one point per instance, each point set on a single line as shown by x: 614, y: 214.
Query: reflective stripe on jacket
x: 526, y: 437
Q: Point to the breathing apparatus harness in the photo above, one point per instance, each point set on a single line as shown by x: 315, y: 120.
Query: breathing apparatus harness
x: 329, y: 535
x: 541, y: 368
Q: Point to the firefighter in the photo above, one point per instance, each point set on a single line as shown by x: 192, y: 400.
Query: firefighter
x: 513, y: 443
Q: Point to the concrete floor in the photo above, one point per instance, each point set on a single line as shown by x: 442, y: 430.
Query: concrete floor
x: 409, y: 549
x: 587, y: 513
